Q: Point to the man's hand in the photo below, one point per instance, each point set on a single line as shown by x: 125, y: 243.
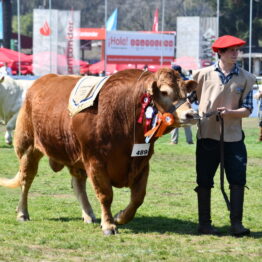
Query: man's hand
x: 233, y: 113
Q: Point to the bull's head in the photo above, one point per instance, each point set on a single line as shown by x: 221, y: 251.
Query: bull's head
x: 169, y: 92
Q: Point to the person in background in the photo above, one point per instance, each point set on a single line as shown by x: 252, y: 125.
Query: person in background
x: 102, y: 73
x: 190, y: 73
x: 175, y: 132
x: 8, y: 69
x: 258, y: 96
x: 5, y: 69
x: 227, y: 89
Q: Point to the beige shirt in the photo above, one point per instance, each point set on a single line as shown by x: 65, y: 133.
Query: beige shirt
x: 212, y: 93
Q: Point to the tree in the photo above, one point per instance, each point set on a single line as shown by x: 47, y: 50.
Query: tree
x: 137, y: 15
x: 26, y: 24
x: 234, y: 19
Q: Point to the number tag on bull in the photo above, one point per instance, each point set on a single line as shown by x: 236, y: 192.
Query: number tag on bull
x: 140, y: 150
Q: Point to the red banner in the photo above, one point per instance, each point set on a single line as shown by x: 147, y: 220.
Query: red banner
x: 155, y: 23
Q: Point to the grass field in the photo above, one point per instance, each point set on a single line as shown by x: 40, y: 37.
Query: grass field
x: 164, y: 228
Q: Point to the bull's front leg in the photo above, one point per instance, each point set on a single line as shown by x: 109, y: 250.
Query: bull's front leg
x: 104, y: 193
x: 107, y: 221
x: 138, y: 192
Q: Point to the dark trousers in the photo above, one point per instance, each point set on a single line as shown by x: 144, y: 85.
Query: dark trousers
x: 208, y: 159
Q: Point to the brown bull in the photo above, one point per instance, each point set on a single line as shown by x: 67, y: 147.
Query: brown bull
x: 97, y: 142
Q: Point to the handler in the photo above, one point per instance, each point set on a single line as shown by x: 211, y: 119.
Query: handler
x: 227, y: 89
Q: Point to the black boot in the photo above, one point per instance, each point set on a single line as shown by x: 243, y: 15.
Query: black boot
x: 204, y: 217
x: 236, y: 213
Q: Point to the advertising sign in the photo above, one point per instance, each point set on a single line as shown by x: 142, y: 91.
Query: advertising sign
x: 90, y: 33
x: 55, y: 49
x: 139, y: 48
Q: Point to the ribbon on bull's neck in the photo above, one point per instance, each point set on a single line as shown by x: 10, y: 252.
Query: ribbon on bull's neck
x: 164, y: 120
x: 145, y: 102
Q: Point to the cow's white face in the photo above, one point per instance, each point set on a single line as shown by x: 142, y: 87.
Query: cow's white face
x: 170, y: 91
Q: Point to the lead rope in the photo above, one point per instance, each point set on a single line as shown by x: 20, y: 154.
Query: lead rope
x: 222, y: 155
x: 222, y: 160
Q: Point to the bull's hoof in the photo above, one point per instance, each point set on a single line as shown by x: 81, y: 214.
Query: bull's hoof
x: 109, y: 232
x: 88, y: 217
x: 89, y: 220
x: 123, y: 217
x: 118, y: 218
x: 9, y: 142
x: 23, y: 218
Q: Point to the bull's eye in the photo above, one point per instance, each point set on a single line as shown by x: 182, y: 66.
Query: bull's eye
x: 164, y: 93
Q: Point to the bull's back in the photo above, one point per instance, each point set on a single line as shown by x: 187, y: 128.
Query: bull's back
x: 47, y: 89
x: 50, y: 124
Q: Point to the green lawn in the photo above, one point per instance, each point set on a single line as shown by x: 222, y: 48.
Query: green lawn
x: 164, y: 228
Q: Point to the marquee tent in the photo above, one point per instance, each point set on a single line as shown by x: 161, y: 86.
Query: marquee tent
x: 44, y: 57
x: 111, y: 68
x: 187, y: 62
x: 8, y: 55
x: 43, y: 60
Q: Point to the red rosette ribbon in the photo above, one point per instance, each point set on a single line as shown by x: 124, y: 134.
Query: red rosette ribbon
x: 145, y: 101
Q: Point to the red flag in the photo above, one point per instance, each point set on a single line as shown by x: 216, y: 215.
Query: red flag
x: 155, y: 24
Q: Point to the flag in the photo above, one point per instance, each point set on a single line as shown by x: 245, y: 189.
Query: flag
x: 155, y: 23
x: 111, y: 23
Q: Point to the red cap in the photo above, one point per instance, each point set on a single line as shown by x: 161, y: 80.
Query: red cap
x: 227, y: 41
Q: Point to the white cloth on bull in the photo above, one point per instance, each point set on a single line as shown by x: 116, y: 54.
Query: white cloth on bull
x: 84, y: 93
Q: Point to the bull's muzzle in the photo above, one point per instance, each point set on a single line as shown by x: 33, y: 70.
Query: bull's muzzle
x: 194, y: 116
x: 188, y: 117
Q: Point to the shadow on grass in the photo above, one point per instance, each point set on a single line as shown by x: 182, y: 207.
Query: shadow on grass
x: 172, y: 225
x: 161, y: 225
x: 65, y: 219
x: 5, y: 146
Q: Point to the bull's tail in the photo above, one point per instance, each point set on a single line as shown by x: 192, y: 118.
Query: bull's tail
x: 11, y: 183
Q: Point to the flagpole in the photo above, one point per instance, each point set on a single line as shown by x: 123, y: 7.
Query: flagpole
x: 218, y: 14
x: 105, y: 38
x: 162, y: 29
x: 19, y: 37
x: 250, y: 35
x: 50, y: 42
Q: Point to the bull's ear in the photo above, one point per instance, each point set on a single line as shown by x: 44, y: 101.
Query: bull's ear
x: 153, y: 89
x: 2, y: 79
x: 190, y: 85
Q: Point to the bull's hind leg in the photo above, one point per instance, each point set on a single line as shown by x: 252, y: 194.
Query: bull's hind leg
x: 27, y: 171
x: 138, y: 192
x: 79, y: 178
x: 28, y: 160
